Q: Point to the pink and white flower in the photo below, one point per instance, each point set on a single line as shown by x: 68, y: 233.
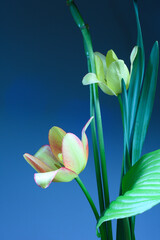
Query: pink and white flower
x: 62, y: 160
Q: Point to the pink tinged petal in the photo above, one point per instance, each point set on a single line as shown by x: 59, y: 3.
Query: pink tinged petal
x: 61, y: 175
x: 46, y: 156
x: 74, y: 156
x: 84, y: 137
x: 56, y: 136
x: 36, y: 163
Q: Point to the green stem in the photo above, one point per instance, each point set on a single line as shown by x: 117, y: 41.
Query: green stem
x: 80, y: 23
x: 89, y: 52
x: 101, y: 145
x: 88, y: 197
x: 102, y: 230
x: 95, y: 152
x: 125, y: 227
x: 88, y: 47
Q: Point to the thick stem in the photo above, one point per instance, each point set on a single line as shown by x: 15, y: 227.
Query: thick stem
x: 89, y: 52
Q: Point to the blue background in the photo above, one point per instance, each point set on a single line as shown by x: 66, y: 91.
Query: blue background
x: 42, y: 64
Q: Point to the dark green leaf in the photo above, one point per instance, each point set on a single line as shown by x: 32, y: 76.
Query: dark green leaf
x: 137, y: 73
x: 134, y: 88
x: 145, y: 104
x: 139, y: 32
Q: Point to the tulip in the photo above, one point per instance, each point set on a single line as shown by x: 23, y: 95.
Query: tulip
x: 62, y: 160
x: 109, y: 72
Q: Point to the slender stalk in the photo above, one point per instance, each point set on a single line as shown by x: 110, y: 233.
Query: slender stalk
x: 101, y: 145
x: 88, y: 47
x: 89, y: 51
x: 78, y: 180
x: 95, y: 152
x: 102, y: 230
x: 125, y: 227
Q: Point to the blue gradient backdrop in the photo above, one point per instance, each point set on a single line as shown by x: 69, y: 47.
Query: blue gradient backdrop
x: 41, y: 67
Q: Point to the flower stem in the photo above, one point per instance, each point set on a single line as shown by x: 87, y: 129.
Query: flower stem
x: 96, y: 157
x: 78, y: 180
x: 102, y: 230
x: 101, y: 145
x: 80, y: 23
x: 94, y: 137
x: 125, y: 227
x: 94, y: 93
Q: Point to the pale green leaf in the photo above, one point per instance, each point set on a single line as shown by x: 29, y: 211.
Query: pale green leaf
x: 140, y: 188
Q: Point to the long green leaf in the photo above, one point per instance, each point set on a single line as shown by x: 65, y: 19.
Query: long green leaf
x: 140, y: 188
x: 137, y: 73
x: 134, y: 88
x: 139, y: 32
x: 145, y: 103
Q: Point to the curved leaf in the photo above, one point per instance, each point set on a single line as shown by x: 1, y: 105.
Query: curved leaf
x: 140, y: 188
x: 145, y: 103
x: 124, y: 110
x: 137, y: 72
x: 135, y: 88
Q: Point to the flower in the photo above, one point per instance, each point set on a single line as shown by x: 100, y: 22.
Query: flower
x: 109, y: 72
x: 62, y: 160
